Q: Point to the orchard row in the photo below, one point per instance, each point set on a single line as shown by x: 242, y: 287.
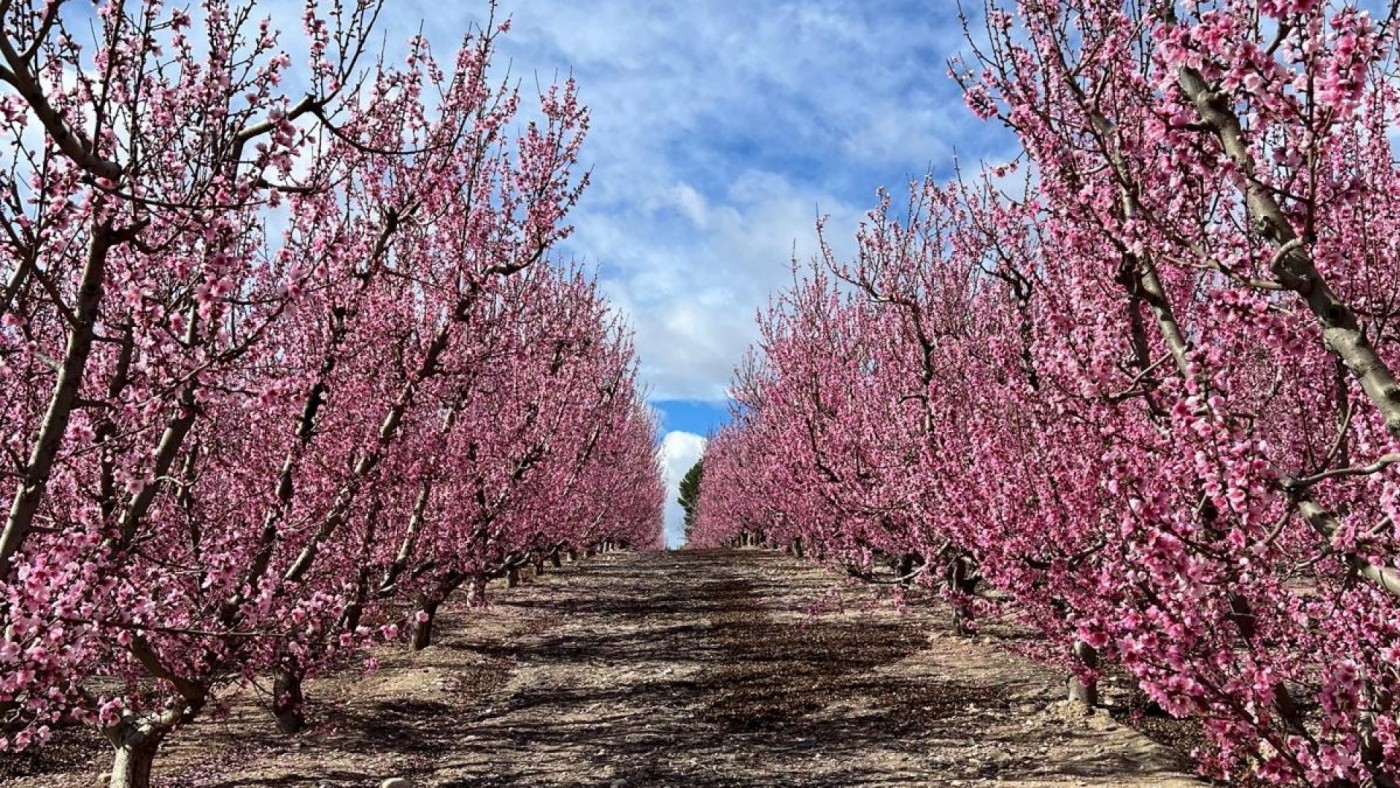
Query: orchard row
x: 1140, y: 381
x: 280, y: 374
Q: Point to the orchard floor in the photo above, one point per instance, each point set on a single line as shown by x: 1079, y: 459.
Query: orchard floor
x: 690, y: 668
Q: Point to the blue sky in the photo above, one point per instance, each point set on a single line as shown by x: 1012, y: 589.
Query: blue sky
x: 695, y: 416
x: 721, y: 130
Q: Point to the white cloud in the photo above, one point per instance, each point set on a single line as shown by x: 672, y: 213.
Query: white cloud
x: 692, y: 205
x: 693, y: 303
x: 679, y: 451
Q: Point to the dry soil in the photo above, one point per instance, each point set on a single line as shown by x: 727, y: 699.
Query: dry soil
x: 689, y: 668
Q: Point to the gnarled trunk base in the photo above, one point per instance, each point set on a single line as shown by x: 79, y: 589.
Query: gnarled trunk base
x: 135, y: 743
x: 423, y: 624
x: 962, y: 580
x: 287, y: 701
x: 1083, y: 692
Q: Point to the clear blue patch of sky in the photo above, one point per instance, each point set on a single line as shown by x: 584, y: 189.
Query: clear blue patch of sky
x: 701, y: 418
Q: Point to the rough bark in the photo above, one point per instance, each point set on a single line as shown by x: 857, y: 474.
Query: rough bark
x: 132, y: 765
x: 423, y: 625
x: 1085, y: 692
x: 962, y: 580
x: 135, y: 742
x: 287, y: 700
x: 21, y: 74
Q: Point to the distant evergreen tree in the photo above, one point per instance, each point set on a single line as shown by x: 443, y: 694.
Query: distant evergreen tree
x: 690, y: 493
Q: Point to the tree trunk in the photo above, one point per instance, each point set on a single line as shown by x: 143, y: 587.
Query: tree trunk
x: 962, y: 582
x: 135, y: 744
x: 539, y: 566
x: 797, y: 548
x: 513, y: 577
x: 905, y: 569
x: 287, y: 700
x: 353, y: 613
x: 1085, y: 693
x: 573, y: 555
x: 476, y: 591
x: 423, y: 624
x: 555, y: 560
x: 131, y: 768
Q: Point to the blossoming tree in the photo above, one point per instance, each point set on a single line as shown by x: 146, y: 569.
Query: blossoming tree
x: 234, y: 327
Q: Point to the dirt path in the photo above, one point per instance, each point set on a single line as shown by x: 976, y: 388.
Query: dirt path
x: 690, y: 669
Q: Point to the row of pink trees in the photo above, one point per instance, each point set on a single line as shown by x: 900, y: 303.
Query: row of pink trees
x: 1149, y: 396
x: 279, y: 373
